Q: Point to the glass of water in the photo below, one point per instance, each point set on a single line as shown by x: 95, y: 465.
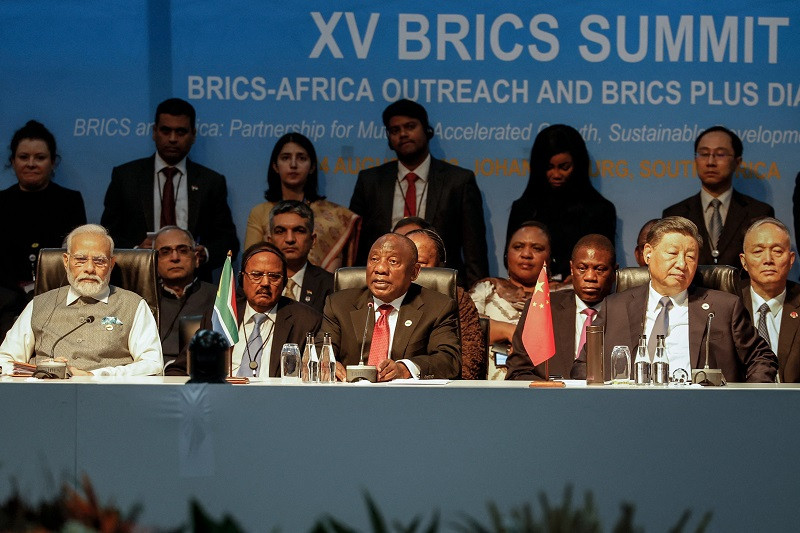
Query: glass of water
x: 290, y: 362
x: 620, y: 365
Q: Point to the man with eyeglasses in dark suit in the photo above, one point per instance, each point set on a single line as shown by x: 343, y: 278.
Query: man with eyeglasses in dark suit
x: 721, y: 213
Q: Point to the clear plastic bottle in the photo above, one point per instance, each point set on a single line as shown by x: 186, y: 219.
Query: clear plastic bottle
x: 660, y: 369
x: 310, y: 362
x: 641, y: 365
x: 327, y: 361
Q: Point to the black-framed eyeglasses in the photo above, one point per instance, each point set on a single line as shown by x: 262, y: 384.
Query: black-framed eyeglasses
x: 182, y: 249
x: 256, y: 276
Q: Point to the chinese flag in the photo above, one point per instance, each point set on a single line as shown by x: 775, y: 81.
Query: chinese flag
x: 537, y: 334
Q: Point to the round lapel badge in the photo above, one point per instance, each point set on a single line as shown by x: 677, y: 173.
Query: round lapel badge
x: 408, y: 323
x: 705, y: 306
x: 793, y: 314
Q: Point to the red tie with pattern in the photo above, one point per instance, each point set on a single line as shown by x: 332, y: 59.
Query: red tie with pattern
x: 379, y: 348
x: 168, y: 197
x: 410, y: 209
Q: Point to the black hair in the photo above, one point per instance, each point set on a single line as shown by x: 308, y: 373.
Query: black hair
x: 37, y: 131
x: 736, y: 142
x: 178, y: 108
x: 263, y: 246
x: 553, y: 140
x: 274, y: 192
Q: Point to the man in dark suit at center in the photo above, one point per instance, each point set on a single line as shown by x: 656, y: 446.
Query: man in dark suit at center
x: 719, y: 211
x: 291, y: 226
x: 266, y: 320
x: 417, y: 184
x: 169, y: 189
x: 772, y: 301
x: 592, y: 266
x: 415, y: 331
x: 670, y: 306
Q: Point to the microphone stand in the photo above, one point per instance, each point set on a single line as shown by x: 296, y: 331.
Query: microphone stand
x: 708, y: 377
x: 362, y: 372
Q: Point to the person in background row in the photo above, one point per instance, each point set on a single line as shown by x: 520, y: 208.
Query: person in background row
x: 502, y: 300
x: 181, y: 294
x: 414, y: 329
x: 641, y: 240
x: 719, y: 211
x: 418, y: 184
x: 408, y: 224
x: 431, y: 253
x: 294, y: 175
x: 169, y: 189
x: 40, y: 211
x: 98, y: 329
x: 560, y: 195
x: 266, y: 320
x: 593, y: 265
x: 669, y: 305
x: 291, y: 226
x: 772, y: 301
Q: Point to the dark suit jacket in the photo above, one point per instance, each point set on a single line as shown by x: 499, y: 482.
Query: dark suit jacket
x: 128, y: 213
x: 454, y: 207
x: 562, y: 308
x: 426, y: 332
x: 317, y: 285
x: 735, y: 347
x: 294, y: 321
x: 743, y: 210
x: 788, y: 338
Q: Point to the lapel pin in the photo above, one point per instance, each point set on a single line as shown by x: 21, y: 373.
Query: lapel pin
x: 793, y: 314
x: 195, y: 188
x: 308, y: 297
x: 408, y: 323
x: 705, y: 306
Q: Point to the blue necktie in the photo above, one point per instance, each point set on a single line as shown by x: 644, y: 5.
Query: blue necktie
x: 252, y: 353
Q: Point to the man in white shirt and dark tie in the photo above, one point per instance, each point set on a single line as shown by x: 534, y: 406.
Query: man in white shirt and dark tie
x: 772, y: 301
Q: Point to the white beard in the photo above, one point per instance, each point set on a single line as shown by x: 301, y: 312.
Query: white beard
x: 88, y: 288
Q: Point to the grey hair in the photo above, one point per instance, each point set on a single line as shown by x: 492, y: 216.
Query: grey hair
x: 172, y: 228
x: 768, y: 220
x: 300, y: 209
x: 93, y: 229
x: 680, y: 225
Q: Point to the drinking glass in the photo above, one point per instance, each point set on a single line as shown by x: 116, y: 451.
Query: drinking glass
x: 290, y: 362
x: 620, y: 365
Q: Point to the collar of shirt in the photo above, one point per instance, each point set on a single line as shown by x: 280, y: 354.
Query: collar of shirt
x: 421, y: 171
x: 172, y: 293
x: 653, y: 298
x: 298, y: 278
x: 580, y: 305
x: 724, y: 198
x: 775, y: 304
x: 161, y: 164
x: 72, y: 296
x: 396, y: 303
x: 249, y: 312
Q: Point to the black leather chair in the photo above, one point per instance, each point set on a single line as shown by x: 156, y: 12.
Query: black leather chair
x: 718, y: 277
x: 441, y: 280
x: 136, y: 271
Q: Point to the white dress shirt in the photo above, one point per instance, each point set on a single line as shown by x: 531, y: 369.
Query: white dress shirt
x: 392, y: 319
x: 298, y: 278
x: 180, y: 181
x: 401, y: 186
x: 773, y: 318
x: 677, y: 340
x: 267, y: 334
x: 144, y: 343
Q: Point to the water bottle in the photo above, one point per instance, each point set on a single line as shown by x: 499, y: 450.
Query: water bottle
x: 641, y: 367
x: 660, y: 369
x: 310, y: 361
x: 327, y: 361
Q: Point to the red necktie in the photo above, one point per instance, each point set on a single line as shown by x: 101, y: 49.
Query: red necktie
x: 168, y: 197
x: 379, y: 348
x: 410, y: 209
x: 589, y: 312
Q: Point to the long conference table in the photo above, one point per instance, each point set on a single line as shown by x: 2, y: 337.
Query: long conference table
x: 282, y: 455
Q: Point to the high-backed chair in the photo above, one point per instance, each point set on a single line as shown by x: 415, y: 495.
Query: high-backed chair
x: 718, y: 277
x: 136, y: 271
x: 441, y: 280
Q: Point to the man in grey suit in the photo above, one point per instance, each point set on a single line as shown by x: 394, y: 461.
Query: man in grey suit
x: 772, y: 301
x: 414, y: 329
x: 592, y: 267
x: 291, y: 226
x: 169, y: 189
x: 417, y: 184
x: 669, y: 305
x: 720, y: 212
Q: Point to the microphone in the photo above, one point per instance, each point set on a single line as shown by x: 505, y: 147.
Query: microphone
x: 708, y: 376
x: 56, y: 367
x: 362, y: 372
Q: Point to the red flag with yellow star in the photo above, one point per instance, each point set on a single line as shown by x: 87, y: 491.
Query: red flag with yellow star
x: 537, y: 334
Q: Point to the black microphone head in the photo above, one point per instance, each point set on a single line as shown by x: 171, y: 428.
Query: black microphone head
x: 88, y: 320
